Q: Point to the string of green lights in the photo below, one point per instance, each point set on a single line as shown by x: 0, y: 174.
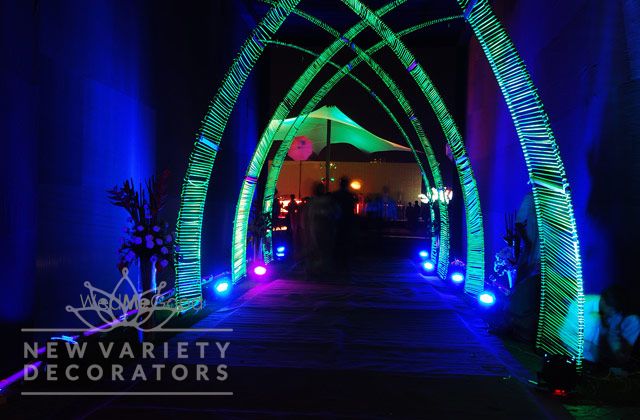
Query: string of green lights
x: 561, y: 265
x: 194, y: 189
x: 560, y: 253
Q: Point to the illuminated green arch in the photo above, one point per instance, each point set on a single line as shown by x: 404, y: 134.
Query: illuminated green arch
x: 285, y: 145
x: 442, y: 256
x: 238, y: 262
x: 475, y: 273
x: 196, y: 182
x: 560, y: 250
x: 561, y: 266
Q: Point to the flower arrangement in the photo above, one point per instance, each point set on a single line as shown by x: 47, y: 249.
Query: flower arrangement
x: 149, y: 238
x: 458, y: 264
x: 504, y: 261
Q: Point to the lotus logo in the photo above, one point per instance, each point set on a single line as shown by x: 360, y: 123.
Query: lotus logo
x: 124, y: 307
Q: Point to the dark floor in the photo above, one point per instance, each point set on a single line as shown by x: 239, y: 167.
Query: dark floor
x: 385, y: 343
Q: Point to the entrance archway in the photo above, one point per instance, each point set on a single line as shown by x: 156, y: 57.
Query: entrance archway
x: 560, y: 256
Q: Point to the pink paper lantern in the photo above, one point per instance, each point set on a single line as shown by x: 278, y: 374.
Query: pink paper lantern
x: 301, y: 148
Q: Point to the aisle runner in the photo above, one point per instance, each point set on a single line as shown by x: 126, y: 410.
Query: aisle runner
x: 386, y: 319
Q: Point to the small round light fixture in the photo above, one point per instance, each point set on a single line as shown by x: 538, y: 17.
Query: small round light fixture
x: 487, y: 298
x: 260, y: 270
x: 356, y: 185
x: 222, y: 287
x: 457, y: 278
x: 428, y: 266
x: 423, y: 254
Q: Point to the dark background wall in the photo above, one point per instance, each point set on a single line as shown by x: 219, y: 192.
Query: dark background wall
x: 91, y: 94
x: 583, y: 57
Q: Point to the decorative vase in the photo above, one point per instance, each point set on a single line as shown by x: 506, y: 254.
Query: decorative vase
x: 146, y: 282
x: 146, y: 275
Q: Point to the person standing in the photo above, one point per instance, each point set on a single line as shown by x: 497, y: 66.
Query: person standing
x: 345, y: 229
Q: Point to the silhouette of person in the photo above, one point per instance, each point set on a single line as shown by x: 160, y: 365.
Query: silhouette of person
x: 346, y: 202
x: 292, y: 209
x: 320, y: 223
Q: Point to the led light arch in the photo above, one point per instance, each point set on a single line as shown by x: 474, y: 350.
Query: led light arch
x: 196, y: 181
x: 238, y: 263
x: 561, y: 266
x: 472, y: 212
x: 270, y: 188
x: 255, y: 166
x: 400, y: 97
x: 473, y: 219
x: 560, y: 250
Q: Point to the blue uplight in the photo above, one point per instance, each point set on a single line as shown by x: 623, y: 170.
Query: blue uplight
x: 487, y: 298
x: 222, y: 286
x: 428, y: 266
x: 424, y: 254
x: 457, y: 278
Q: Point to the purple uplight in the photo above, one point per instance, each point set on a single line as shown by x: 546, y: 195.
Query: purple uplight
x: 260, y: 270
x: 108, y: 324
x: 19, y: 374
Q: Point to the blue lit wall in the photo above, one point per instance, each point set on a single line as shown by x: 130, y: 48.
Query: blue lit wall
x: 583, y: 56
x: 78, y: 124
x: 94, y: 93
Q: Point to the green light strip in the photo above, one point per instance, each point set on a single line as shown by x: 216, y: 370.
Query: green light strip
x: 553, y: 201
x: 562, y: 283
x: 196, y: 182
x: 474, y: 283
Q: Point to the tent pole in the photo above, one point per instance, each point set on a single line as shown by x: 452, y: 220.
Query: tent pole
x: 300, y: 182
x: 327, y: 165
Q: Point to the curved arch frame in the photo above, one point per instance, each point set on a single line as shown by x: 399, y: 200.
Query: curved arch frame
x: 561, y: 265
x: 475, y: 273
x: 282, y: 150
x: 474, y: 282
x: 561, y: 285
x: 196, y: 182
x: 439, y: 243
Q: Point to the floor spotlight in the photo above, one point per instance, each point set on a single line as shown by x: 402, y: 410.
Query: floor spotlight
x: 260, y: 270
x: 457, y: 278
x: 424, y: 254
x: 428, y: 266
x: 222, y: 287
x: 487, y: 298
x: 558, y: 374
